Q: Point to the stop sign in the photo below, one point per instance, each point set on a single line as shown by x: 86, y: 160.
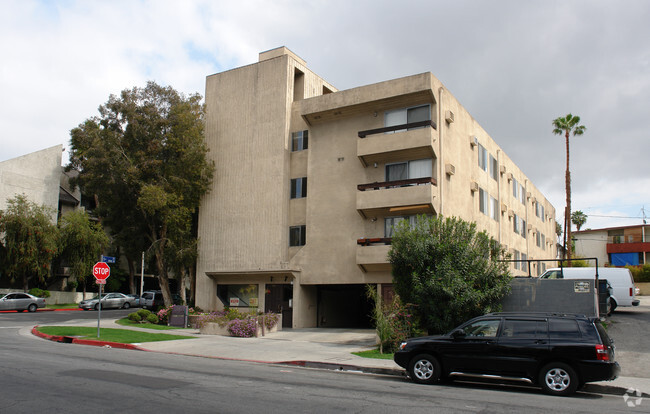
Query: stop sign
x: 101, y: 271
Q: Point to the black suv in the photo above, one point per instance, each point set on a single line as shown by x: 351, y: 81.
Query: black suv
x: 558, y: 352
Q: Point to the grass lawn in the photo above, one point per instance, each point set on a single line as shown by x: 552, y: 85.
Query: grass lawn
x: 124, y: 336
x: 373, y: 353
x: 128, y: 322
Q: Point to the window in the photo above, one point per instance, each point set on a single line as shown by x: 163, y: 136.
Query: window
x: 564, y: 329
x: 494, y: 168
x: 517, y: 257
x: 538, y: 239
x: 299, y: 140
x: 522, y: 194
x: 297, y: 235
x: 482, y: 157
x: 517, y: 329
x: 516, y: 224
x: 524, y: 264
x: 483, y: 201
x: 486, y: 328
x: 406, y: 116
x: 494, y: 208
x: 299, y: 187
x: 238, y: 295
x: 391, y: 222
x: 523, y: 228
x: 543, y: 241
x: 515, y: 188
x: 409, y: 169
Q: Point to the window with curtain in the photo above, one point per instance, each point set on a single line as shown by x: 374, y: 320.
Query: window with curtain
x: 409, y: 169
x: 406, y: 116
x: 494, y: 168
x: 494, y: 208
x: 483, y: 201
x: 482, y: 157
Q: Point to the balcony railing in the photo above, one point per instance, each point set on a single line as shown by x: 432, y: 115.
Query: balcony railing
x: 397, y: 183
x: 628, y: 239
x: 412, y: 125
x: 368, y: 241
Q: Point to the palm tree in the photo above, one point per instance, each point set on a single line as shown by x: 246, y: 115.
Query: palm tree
x: 566, y: 125
x: 578, y: 218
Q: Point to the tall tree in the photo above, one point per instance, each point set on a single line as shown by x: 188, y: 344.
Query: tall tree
x: 565, y: 126
x: 448, y: 269
x: 579, y: 219
x: 30, y: 240
x: 146, y: 160
x: 82, y: 243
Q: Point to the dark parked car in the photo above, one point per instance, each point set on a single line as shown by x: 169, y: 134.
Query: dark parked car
x: 20, y: 301
x: 153, y: 299
x: 557, y: 352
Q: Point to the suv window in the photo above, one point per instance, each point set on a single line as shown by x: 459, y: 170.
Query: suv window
x: 564, y: 329
x: 483, y: 328
x: 515, y: 328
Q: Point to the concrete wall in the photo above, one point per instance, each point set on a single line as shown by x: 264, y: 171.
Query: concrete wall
x: 36, y: 175
x: 57, y: 298
x: 543, y: 295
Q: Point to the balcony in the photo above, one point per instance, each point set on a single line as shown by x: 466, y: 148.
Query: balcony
x: 372, y: 254
x: 410, y: 141
x: 414, y: 196
x: 628, y: 244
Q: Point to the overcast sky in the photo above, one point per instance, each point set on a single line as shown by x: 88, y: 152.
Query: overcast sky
x: 514, y: 65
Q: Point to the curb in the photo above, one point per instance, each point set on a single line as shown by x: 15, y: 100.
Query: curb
x: 73, y: 340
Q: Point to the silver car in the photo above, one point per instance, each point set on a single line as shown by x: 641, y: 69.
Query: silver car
x: 113, y: 300
x: 20, y: 301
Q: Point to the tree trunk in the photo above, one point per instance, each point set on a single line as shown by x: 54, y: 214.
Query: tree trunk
x: 131, y: 263
x: 25, y: 283
x: 183, y: 284
x: 568, y: 202
x: 163, y: 277
x: 193, y: 284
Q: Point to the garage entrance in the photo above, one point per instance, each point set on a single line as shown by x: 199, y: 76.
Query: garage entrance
x: 344, y: 306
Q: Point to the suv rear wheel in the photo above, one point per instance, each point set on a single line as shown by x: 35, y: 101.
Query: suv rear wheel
x: 425, y: 369
x: 558, y: 378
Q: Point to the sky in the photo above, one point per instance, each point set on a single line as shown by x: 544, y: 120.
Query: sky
x: 514, y: 65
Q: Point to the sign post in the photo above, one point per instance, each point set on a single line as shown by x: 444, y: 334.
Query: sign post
x: 101, y: 271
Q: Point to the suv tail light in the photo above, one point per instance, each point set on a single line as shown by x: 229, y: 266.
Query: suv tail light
x: 602, y: 353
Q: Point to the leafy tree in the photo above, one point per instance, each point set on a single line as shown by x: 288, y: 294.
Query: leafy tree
x: 578, y: 218
x: 558, y: 229
x: 82, y: 242
x: 565, y: 126
x: 448, y: 270
x: 146, y: 160
x: 30, y: 240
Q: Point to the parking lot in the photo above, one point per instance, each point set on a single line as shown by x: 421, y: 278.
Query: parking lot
x: 630, y: 329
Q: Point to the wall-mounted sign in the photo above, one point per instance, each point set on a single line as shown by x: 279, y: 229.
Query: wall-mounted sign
x: 234, y: 302
x: 253, y: 302
x: 581, y: 287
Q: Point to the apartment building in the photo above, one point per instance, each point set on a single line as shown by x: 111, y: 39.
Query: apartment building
x: 310, y: 180
x: 615, y: 246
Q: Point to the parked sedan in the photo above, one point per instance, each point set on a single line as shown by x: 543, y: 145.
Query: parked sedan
x: 113, y: 300
x: 20, y: 301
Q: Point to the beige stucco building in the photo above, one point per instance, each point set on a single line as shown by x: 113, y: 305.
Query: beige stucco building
x: 309, y: 181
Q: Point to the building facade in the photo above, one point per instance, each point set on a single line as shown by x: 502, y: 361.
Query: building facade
x: 310, y: 180
x: 615, y: 246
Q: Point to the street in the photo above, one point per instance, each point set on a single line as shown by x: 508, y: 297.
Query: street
x: 43, y: 376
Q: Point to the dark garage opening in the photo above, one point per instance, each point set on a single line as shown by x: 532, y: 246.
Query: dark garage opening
x: 344, y: 306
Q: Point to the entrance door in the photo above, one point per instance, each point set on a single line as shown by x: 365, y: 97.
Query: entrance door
x: 278, y: 299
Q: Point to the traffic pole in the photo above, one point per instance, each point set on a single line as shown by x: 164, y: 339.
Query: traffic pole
x: 99, y: 309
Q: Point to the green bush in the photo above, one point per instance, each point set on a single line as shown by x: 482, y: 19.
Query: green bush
x: 134, y: 317
x: 641, y: 274
x: 39, y: 292
x: 144, y: 314
x: 152, y: 318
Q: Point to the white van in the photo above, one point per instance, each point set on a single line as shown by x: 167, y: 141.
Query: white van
x: 619, y: 278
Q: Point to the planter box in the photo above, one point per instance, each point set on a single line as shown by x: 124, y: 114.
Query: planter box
x: 213, y: 328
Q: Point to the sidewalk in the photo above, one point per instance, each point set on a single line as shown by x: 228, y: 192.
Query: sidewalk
x: 316, y: 347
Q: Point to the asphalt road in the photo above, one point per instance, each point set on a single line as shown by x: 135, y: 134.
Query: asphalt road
x: 42, y: 376
x: 630, y: 329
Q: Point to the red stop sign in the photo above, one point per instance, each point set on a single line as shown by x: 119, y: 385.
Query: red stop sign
x: 101, y: 271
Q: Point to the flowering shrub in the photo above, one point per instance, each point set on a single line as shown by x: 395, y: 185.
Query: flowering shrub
x: 243, y: 328
x: 241, y: 324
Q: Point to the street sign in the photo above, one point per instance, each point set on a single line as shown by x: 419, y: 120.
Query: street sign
x: 100, y: 281
x: 108, y: 259
x: 101, y: 271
